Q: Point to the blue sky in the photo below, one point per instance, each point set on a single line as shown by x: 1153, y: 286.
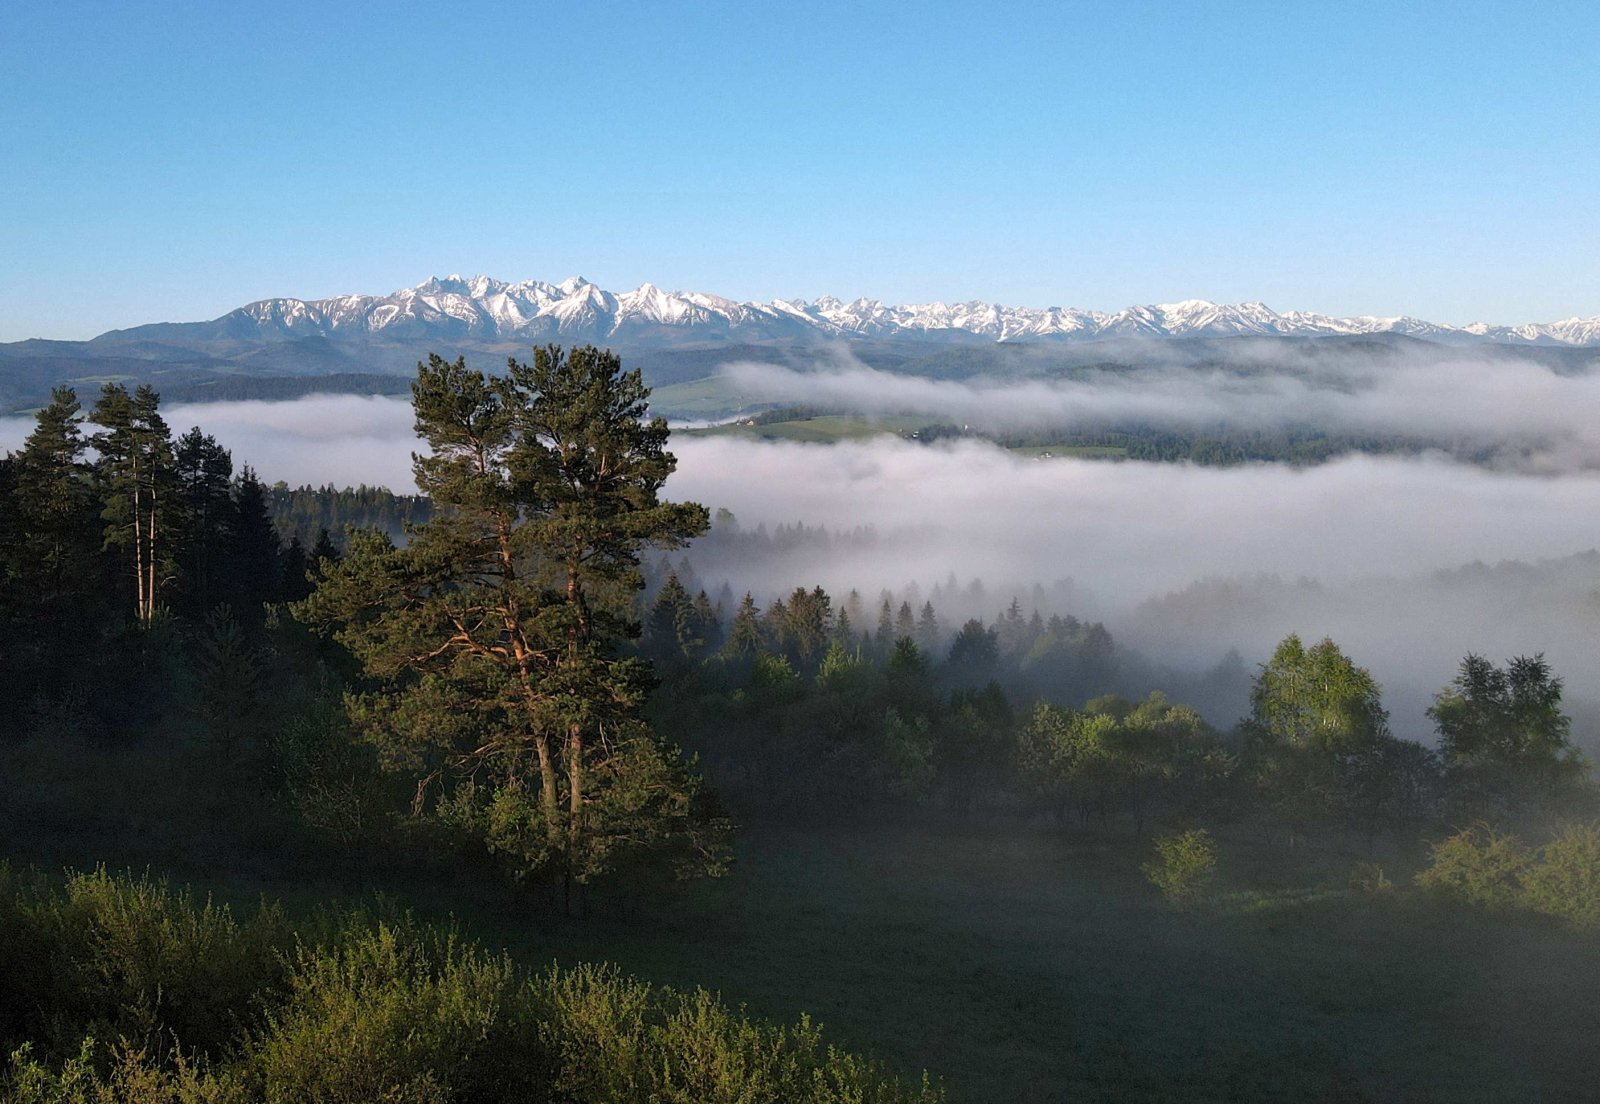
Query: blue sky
x: 173, y: 161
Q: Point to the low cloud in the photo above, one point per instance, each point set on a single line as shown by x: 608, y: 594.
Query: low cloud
x: 1187, y: 562
x: 1130, y: 530
x: 1440, y: 396
x: 345, y: 440
x: 1182, y: 561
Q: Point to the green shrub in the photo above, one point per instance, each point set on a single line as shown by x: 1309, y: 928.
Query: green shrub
x: 620, y: 1042
x: 1565, y: 882
x: 359, y: 1008
x: 1185, y: 866
x: 596, y: 1026
x: 130, y: 1077
x: 331, y: 780
x: 1478, y: 866
x: 397, y: 1012
x: 132, y: 958
x: 1368, y: 878
x: 24, y: 959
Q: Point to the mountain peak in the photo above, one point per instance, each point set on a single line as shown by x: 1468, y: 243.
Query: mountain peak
x: 578, y: 310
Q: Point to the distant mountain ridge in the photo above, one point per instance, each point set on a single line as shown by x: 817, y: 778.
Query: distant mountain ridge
x: 683, y: 341
x: 488, y: 310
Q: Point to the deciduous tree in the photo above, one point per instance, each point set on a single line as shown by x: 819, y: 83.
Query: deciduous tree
x: 1504, y: 736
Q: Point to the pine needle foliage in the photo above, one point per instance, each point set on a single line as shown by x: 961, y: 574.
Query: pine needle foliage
x: 492, y: 636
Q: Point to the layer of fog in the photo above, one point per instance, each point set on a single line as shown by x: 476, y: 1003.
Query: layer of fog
x: 1134, y: 539
x: 345, y: 440
x: 1369, y: 531
x: 1432, y: 394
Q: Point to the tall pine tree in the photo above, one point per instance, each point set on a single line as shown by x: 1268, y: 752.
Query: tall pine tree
x: 136, y: 472
x: 496, y: 629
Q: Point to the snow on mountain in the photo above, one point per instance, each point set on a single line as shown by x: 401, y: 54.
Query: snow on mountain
x: 483, y: 307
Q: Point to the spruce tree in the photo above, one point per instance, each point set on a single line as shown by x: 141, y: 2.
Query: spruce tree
x: 744, y: 636
x: 883, y: 639
x: 807, y: 623
x: 53, y: 536
x: 707, y: 625
x: 670, y: 633
x: 843, y: 631
x: 324, y: 550
x: 293, y: 585
x: 204, y: 475
x: 928, y: 629
x: 254, y: 567
x: 50, y: 560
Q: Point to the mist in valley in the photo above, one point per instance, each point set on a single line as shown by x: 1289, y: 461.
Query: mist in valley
x: 1529, y: 408
x: 1408, y: 561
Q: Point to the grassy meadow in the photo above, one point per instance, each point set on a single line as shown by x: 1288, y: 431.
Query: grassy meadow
x: 1016, y: 963
x: 1022, y: 967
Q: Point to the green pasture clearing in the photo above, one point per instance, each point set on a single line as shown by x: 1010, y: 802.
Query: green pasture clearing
x: 826, y: 429
x: 711, y: 397
x: 1080, y: 452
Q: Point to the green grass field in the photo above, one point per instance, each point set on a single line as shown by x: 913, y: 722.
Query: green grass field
x: 826, y: 430
x: 1081, y: 452
x: 1018, y: 963
x: 1027, y: 968
x: 698, y: 399
x: 711, y: 397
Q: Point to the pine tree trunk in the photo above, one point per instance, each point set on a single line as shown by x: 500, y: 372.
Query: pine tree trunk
x: 575, y: 776
x: 577, y: 637
x: 138, y: 542
x: 549, y: 795
x: 150, y: 552
x: 549, y: 799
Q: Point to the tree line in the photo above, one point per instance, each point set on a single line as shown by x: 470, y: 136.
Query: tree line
x: 796, y: 706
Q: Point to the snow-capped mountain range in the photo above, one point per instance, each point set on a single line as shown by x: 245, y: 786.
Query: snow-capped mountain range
x: 575, y: 309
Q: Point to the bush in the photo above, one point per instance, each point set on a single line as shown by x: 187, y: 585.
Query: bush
x: 1478, y: 866
x: 1368, y: 878
x: 24, y: 959
x: 617, y: 1040
x: 131, y: 1077
x: 1184, y: 867
x: 400, y: 1013
x: 330, y: 780
x: 1565, y: 882
x: 357, y: 1009
x: 132, y: 958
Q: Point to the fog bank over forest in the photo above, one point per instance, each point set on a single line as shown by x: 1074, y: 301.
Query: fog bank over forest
x: 1539, y: 411
x: 1185, y: 562
x: 1182, y: 562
